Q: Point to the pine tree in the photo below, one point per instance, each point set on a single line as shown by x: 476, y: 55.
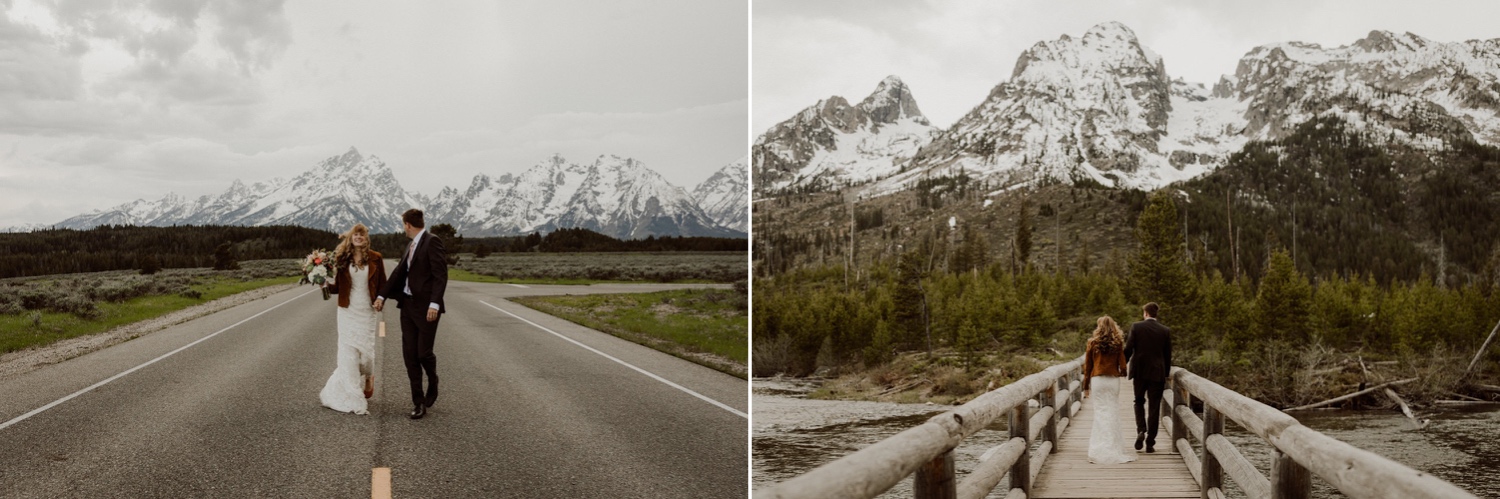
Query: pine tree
x: 224, y: 258
x: 1283, y: 304
x: 973, y: 253
x: 879, y: 350
x: 1083, y: 257
x: 910, y: 301
x: 150, y: 265
x: 969, y: 341
x: 1023, y: 235
x: 1158, y: 271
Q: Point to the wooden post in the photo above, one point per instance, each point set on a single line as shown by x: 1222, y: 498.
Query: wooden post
x: 1289, y: 480
x: 1179, y: 427
x: 1073, y: 395
x: 1049, y: 399
x: 934, y: 480
x: 1213, y: 473
x: 1020, y: 426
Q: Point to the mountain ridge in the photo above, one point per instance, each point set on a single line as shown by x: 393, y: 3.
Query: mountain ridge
x: 1102, y: 108
x: 615, y: 196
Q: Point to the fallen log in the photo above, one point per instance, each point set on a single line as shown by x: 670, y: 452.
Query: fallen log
x: 1350, y: 396
x: 1481, y: 349
x: 1462, y: 396
x: 1405, y: 409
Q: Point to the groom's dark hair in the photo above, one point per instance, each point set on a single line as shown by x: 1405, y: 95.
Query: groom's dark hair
x: 413, y: 217
x: 1151, y: 309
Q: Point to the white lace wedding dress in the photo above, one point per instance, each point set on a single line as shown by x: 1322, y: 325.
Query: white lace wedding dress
x: 1105, y: 443
x: 345, y: 390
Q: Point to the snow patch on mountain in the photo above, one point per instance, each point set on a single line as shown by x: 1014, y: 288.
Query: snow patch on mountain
x: 834, y: 144
x: 725, y: 196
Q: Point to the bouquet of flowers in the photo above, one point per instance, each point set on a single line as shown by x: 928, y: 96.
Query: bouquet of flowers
x: 317, y: 269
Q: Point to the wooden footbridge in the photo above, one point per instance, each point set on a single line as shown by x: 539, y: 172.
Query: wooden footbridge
x: 1044, y: 459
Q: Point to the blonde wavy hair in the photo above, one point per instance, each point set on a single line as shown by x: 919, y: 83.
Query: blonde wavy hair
x: 346, y: 252
x: 1108, y: 335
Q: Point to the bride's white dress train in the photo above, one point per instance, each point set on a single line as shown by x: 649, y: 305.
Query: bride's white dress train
x: 345, y: 390
x: 1105, y: 443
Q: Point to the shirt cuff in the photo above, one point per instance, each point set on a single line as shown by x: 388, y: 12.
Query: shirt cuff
x: 435, y: 306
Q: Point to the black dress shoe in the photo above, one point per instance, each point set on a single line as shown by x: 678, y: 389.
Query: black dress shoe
x: 1150, y: 448
x: 1140, y: 438
x: 418, y: 412
x: 432, y: 393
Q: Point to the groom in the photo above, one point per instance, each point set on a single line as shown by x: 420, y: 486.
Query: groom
x: 1148, y: 349
x: 417, y: 285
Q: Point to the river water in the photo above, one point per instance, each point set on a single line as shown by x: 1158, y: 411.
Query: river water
x: 793, y: 434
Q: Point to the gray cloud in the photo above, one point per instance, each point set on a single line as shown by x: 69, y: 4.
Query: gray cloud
x: 34, y: 66
x: 255, y: 31
x: 150, y: 96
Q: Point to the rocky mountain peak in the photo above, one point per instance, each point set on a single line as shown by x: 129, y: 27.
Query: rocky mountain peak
x: 1386, y: 41
x: 833, y: 143
x: 836, y: 113
x: 1110, y: 47
x: 892, y: 101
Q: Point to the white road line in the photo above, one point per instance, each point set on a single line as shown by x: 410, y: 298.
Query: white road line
x: 137, y: 368
x: 518, y: 285
x: 623, y: 363
x: 380, y: 483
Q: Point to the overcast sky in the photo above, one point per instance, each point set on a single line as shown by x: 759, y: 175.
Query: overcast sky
x: 952, y: 52
x: 103, y: 102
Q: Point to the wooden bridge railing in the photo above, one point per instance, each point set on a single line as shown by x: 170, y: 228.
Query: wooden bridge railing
x: 1298, y: 450
x: 927, y: 449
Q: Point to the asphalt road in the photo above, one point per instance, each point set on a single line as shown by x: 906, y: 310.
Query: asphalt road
x: 523, y: 412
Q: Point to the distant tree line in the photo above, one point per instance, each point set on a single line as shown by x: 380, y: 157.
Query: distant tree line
x: 150, y: 249
x: 1249, y: 330
x: 584, y: 240
x: 112, y: 247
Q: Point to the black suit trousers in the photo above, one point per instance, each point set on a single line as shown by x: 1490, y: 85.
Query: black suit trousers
x: 417, y: 335
x: 1148, y: 419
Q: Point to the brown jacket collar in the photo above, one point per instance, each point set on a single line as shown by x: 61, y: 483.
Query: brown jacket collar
x: 376, y: 279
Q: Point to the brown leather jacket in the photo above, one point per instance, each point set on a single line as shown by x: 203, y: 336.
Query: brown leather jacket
x: 1098, y: 364
x: 376, y: 282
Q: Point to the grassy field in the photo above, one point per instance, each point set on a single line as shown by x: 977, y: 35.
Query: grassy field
x: 706, y: 326
x: 589, y: 268
x: 37, y: 311
x: 459, y: 274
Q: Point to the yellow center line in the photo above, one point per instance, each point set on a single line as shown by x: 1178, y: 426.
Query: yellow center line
x: 382, y: 329
x: 380, y: 483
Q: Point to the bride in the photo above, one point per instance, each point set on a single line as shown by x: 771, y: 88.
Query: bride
x: 1103, y: 367
x: 360, y: 276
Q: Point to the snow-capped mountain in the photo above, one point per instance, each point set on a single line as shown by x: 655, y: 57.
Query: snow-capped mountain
x: 614, y: 196
x: 619, y: 197
x: 334, y: 195
x: 1089, y: 107
x: 1102, y: 107
x: 832, y: 143
x: 725, y: 196
x: 25, y: 228
x: 1422, y: 90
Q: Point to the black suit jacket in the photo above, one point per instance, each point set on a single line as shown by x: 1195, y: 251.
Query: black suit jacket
x: 428, y: 274
x: 1148, y: 348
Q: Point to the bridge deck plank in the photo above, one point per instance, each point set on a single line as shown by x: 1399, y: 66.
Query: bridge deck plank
x: 1068, y: 474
